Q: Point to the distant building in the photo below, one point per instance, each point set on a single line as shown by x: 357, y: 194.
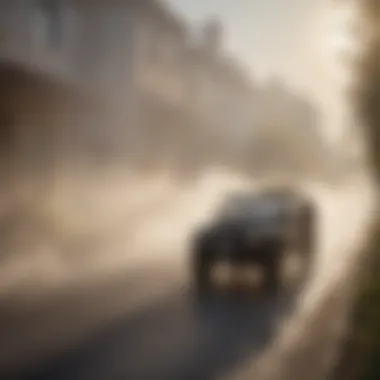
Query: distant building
x: 222, y: 92
x: 36, y: 32
x: 139, y: 55
x: 276, y: 104
x: 98, y: 44
x: 131, y: 52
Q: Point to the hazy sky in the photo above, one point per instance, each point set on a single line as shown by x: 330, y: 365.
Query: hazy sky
x: 261, y: 31
x: 285, y: 37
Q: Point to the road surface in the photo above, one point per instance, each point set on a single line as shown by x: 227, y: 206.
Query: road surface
x: 147, y: 325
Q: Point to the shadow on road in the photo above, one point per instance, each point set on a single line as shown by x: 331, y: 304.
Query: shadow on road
x: 175, y: 338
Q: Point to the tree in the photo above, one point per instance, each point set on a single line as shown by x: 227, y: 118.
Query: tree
x: 366, y: 100
x: 366, y: 94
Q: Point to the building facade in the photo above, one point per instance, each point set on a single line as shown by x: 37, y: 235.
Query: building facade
x: 222, y: 94
x: 129, y: 52
x: 173, y: 94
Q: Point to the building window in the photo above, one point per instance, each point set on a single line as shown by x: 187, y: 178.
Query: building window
x: 50, y: 17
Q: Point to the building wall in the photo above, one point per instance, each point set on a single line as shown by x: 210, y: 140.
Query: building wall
x: 222, y: 97
x: 91, y: 42
x: 130, y: 51
x: 160, y: 56
x: 38, y: 32
x: 15, y: 25
x: 104, y: 46
x: 117, y: 47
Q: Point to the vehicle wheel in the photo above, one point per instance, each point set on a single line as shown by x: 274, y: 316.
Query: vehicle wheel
x: 308, y: 232
x: 308, y: 241
x: 202, y: 275
x: 272, y: 280
x: 273, y: 270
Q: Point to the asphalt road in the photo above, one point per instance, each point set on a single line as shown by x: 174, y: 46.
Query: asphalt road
x: 173, y: 336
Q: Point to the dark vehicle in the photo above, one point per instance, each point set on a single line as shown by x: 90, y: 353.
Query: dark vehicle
x: 258, y: 229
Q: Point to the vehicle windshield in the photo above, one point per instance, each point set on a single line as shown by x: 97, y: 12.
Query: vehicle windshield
x: 251, y: 208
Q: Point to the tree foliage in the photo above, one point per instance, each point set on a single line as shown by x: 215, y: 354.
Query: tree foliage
x: 366, y: 100
x: 367, y: 91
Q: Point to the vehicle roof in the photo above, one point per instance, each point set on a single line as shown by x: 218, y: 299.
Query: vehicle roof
x: 281, y: 193
x: 250, y: 205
